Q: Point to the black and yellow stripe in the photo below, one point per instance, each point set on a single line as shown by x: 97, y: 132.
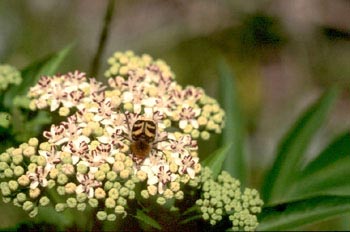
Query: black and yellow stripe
x: 144, y: 130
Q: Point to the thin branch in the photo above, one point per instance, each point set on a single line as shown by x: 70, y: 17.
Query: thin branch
x: 95, y: 65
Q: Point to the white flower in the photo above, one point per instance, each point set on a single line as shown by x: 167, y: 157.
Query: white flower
x: 38, y: 177
x: 87, y: 184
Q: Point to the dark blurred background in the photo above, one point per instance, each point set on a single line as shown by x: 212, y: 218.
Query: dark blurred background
x: 283, y: 53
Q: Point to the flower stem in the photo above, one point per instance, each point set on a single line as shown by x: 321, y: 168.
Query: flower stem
x: 95, y: 65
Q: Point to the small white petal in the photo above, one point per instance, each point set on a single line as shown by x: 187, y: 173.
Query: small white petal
x: 190, y: 172
x: 104, y: 139
x: 183, y: 124
x: 127, y: 96
x: 54, y: 105
x: 152, y: 180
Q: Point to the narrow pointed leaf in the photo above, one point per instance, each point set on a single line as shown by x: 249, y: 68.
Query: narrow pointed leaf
x: 327, y: 173
x: 140, y: 215
x: 292, y: 148
x: 31, y: 74
x: 291, y: 215
x: 216, y: 160
x: 233, y: 133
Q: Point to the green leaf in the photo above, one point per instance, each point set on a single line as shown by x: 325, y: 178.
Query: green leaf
x: 233, y: 132
x: 31, y: 74
x: 140, y: 215
x: 216, y: 160
x: 286, y: 167
x: 327, y: 173
x: 290, y: 215
x: 62, y: 220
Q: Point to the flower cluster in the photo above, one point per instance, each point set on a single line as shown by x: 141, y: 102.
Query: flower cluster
x: 9, y: 75
x: 223, y: 197
x: 151, y: 83
x: 88, y: 161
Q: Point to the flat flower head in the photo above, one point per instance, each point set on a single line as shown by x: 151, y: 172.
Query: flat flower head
x: 130, y: 138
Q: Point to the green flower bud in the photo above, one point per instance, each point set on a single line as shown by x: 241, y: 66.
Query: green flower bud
x: 117, y: 185
x: 213, y: 201
x: 141, y: 175
x: 10, y: 150
x: 34, y: 193
x: 100, y: 193
x: 205, y: 135
x: 5, y: 190
x: 124, y: 174
x: 33, y: 142
x: 70, y: 188
x: 6, y: 199
x: 61, y: 190
x: 21, y: 197
x: 101, y: 215
x: 71, y: 202
x: 108, y: 185
x: 82, y: 168
x: 111, y: 217
x: 161, y: 200
x: 18, y: 170
x: 34, y: 158
x: 145, y: 194
x: 62, y: 179
x: 13, y: 185
x: 113, y: 193
x: 32, y: 167
x: 195, y: 134
x: 63, y: 111
x: 132, y: 195
x: 122, y: 201
x: 16, y: 203
x: 124, y: 191
x: 174, y: 186
x: 17, y: 159
x: 205, y: 216
x: 93, y: 202
x: 81, y: 206
x: 45, y: 146
x: 105, y: 167
x: 44, y: 201
x: 129, y: 184
x: 168, y: 194
x: 8, y: 172
x: 118, y: 166
x: 179, y: 195
x: 204, y: 209
x: 119, y: 209
x: 53, y: 173
x: 17, y: 151
x: 152, y: 190
x: 41, y: 161
x: 68, y: 169
x: 28, y: 206
x: 81, y: 197
x: 5, y: 157
x: 33, y: 213
x: 3, y: 166
x: 51, y: 184
x: 212, y: 222
x: 100, y: 175
x: 23, y: 180
x: 66, y: 157
x: 110, y: 202
x: 60, y: 207
x: 199, y: 202
x: 111, y: 176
